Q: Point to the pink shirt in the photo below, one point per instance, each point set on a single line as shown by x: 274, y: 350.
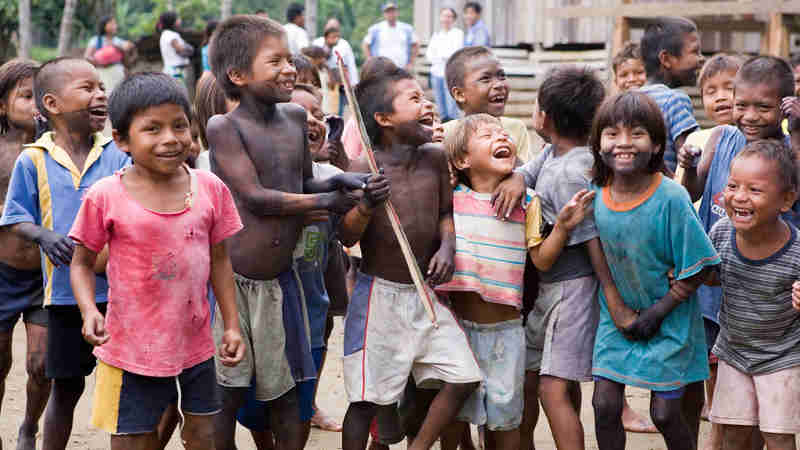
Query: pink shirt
x: 158, y: 271
x: 351, y: 140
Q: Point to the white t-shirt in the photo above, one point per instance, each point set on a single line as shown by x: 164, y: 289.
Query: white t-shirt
x: 393, y: 42
x: 298, y: 37
x: 169, y: 56
x: 443, y: 44
x: 343, y: 47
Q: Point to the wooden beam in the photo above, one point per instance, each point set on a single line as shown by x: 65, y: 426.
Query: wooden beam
x: 777, y: 36
x: 688, y: 9
x: 711, y: 25
x: 622, y: 34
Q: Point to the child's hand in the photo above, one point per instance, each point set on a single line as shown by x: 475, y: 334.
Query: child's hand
x: 508, y: 195
x: 790, y: 106
x: 57, y: 247
x: 94, y: 329
x: 646, y: 325
x: 342, y: 201
x: 573, y: 213
x: 351, y: 181
x: 796, y: 295
x: 231, y: 350
x: 689, y: 156
x: 377, y: 190
x: 441, y: 267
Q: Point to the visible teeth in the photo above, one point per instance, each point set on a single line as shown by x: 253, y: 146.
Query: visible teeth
x: 624, y: 156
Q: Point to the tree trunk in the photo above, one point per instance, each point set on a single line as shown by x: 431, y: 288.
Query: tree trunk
x: 311, y: 18
x: 225, y: 9
x: 25, y: 29
x: 65, y: 32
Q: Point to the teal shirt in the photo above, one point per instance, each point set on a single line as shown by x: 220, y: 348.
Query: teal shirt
x: 642, y: 241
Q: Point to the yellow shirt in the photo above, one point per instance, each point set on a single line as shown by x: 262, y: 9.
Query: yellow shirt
x: 515, y: 127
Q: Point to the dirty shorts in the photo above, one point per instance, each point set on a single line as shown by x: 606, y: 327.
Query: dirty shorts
x: 770, y: 401
x: 388, y: 335
x: 561, y: 328
x: 500, y: 349
x: 260, y: 305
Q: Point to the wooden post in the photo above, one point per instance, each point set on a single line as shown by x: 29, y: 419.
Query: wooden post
x: 777, y: 36
x: 311, y: 18
x: 621, y: 33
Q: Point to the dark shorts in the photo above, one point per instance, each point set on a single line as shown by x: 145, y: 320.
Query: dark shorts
x: 127, y: 403
x: 712, y: 331
x: 21, y: 294
x: 68, y: 354
x: 254, y: 414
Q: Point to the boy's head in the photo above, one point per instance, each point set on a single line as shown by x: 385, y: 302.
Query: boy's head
x: 671, y: 51
x: 760, y: 85
x: 17, y: 104
x: 628, y: 68
x: 295, y: 14
x: 375, y: 66
x: 477, y: 81
x: 211, y: 25
x: 332, y: 36
x: 168, y: 20
x: 70, y: 95
x: 150, y: 116
x: 306, y: 72
x: 237, y: 44
x: 479, y: 150
x: 472, y: 13
x: 763, y: 183
x: 438, y: 128
x: 716, y: 86
x: 310, y: 99
x: 795, y: 63
x: 393, y: 102
x: 209, y: 100
x: 568, y: 99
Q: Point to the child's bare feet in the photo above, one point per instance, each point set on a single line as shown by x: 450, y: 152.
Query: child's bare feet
x: 325, y: 422
x: 634, y: 422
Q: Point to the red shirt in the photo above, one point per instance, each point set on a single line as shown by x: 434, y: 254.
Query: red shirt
x: 158, y: 271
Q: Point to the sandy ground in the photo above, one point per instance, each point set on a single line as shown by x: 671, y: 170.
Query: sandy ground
x: 331, y: 397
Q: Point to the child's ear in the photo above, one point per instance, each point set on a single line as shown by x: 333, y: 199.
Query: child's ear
x: 458, y: 95
x: 121, y: 142
x: 665, y: 59
x: 382, y: 119
x: 236, y: 77
x: 50, y: 103
x: 789, y: 197
x: 462, y: 163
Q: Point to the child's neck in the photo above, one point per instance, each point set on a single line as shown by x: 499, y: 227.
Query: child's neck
x: 396, y: 150
x: 631, y: 185
x: 762, y: 242
x: 662, y: 77
x: 19, y: 135
x: 142, y: 174
x: 483, y: 182
x: 72, y: 141
x: 562, y: 144
x: 257, y: 108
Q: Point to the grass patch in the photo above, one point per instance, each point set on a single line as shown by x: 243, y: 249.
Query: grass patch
x: 43, y: 54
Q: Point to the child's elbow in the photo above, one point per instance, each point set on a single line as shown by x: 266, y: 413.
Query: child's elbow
x: 541, y: 264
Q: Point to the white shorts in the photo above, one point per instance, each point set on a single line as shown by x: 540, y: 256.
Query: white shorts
x: 388, y: 335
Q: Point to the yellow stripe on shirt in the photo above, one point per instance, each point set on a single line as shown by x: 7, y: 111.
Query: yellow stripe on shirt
x: 46, y: 212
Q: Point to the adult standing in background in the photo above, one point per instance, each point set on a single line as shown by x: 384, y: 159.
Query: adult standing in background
x: 444, y: 43
x: 106, y: 51
x: 175, y: 52
x: 477, y: 32
x: 333, y: 42
x: 391, y: 39
x: 295, y: 28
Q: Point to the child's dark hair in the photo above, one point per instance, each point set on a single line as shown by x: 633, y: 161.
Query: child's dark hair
x: 101, y: 25
x: 629, y: 109
x: 50, y: 77
x: 141, y: 91
x: 665, y: 33
x: 719, y: 63
x: 456, y: 141
x: 456, y: 64
x: 775, y: 151
x: 794, y: 61
x: 330, y: 30
x: 211, y: 25
x: 376, y: 65
x: 234, y: 46
x: 475, y: 6
x: 770, y: 70
x: 167, y: 21
x: 294, y: 10
x: 313, y: 90
x: 314, y: 51
x: 630, y: 50
x: 11, y: 74
x: 375, y: 94
x: 570, y: 96
x: 209, y: 100
x: 306, y: 72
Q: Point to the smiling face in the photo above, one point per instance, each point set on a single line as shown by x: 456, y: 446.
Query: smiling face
x: 490, y: 152
x: 316, y: 124
x: 753, y: 196
x: 81, y: 100
x: 630, y: 74
x: 19, y: 106
x: 412, y: 119
x: 757, y: 110
x: 626, y: 150
x: 159, y: 139
x: 717, y: 94
x: 272, y: 76
x: 485, y: 87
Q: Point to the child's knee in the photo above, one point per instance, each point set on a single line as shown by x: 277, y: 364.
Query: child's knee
x: 779, y: 441
x: 34, y: 365
x: 665, y: 413
x: 465, y: 389
x: 607, y: 406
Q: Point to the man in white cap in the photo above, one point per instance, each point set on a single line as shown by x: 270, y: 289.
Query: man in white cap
x: 392, y: 39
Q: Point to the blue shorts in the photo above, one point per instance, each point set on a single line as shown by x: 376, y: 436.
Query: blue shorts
x: 673, y: 394
x: 127, y: 403
x: 21, y: 293
x: 254, y: 414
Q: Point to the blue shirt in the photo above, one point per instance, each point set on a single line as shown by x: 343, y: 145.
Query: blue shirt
x: 643, y: 240
x: 477, y: 34
x: 47, y: 189
x: 204, y: 58
x: 678, y: 113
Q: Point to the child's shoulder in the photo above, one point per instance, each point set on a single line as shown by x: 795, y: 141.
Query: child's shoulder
x: 673, y: 190
x: 721, y: 230
x: 292, y: 110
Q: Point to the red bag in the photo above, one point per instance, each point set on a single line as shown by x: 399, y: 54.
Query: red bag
x: 108, y: 55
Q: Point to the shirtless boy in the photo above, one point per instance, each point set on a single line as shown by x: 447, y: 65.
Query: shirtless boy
x: 260, y: 151
x: 384, y: 304
x: 20, y: 264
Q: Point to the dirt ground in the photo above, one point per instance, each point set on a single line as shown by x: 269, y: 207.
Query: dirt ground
x: 331, y: 397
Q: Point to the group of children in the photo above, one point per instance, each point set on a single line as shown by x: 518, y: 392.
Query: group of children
x: 205, y: 294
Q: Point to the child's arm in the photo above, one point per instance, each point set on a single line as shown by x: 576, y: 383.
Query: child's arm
x: 622, y: 315
x: 356, y: 220
x: 82, y: 279
x: 102, y: 261
x: 649, y: 320
x: 713, y: 278
x: 694, y: 178
x: 336, y: 275
x: 232, y: 163
x: 571, y: 215
x: 231, y: 350
x: 511, y: 191
x: 796, y: 295
x: 441, y: 265
x: 57, y: 247
x: 790, y: 106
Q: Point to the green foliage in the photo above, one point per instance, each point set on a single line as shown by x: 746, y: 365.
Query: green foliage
x: 43, y: 54
x: 8, y: 25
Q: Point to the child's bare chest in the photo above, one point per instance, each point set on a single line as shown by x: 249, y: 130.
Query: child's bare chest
x: 278, y: 155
